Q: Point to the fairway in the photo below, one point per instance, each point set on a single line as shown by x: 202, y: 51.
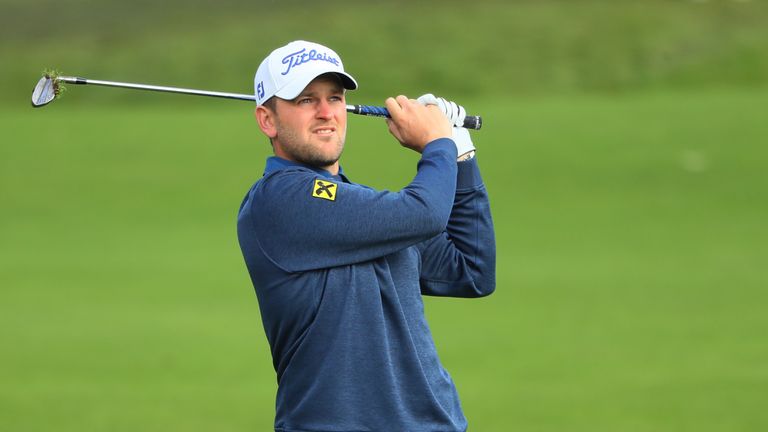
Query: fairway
x: 631, y: 248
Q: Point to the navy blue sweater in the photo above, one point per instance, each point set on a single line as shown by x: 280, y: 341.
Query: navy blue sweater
x: 339, y: 270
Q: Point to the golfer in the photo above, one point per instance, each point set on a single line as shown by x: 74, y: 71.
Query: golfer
x: 339, y: 268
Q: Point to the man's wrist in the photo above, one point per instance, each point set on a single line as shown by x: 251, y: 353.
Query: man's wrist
x: 466, y: 156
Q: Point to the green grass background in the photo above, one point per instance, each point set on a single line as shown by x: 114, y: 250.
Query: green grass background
x: 624, y: 150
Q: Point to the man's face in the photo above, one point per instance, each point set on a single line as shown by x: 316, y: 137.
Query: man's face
x: 311, y: 128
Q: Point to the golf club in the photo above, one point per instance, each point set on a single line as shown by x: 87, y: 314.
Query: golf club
x: 49, y: 87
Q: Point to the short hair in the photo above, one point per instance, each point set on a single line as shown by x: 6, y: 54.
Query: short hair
x: 271, y: 103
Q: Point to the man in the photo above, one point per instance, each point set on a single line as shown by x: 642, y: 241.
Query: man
x: 339, y: 268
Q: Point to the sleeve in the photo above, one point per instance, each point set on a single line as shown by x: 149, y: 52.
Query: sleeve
x: 461, y: 261
x: 301, y: 227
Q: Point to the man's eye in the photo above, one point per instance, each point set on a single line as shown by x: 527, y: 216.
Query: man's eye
x: 305, y: 100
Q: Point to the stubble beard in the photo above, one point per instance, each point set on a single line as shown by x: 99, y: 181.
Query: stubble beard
x: 304, y: 152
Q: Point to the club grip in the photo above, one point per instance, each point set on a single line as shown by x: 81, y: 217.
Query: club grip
x: 470, y: 122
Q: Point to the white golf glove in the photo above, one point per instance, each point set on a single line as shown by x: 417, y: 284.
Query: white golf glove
x: 452, y: 110
x: 455, y: 114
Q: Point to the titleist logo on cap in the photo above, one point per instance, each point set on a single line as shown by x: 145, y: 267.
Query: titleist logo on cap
x: 301, y: 57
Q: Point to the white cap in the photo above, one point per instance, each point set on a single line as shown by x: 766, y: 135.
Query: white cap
x: 289, y: 69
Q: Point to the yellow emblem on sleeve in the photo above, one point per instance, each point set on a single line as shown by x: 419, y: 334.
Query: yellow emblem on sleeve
x: 324, y: 189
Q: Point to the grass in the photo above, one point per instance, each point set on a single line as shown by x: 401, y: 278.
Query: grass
x: 631, y: 242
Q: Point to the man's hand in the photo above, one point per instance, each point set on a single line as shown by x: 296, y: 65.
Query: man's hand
x: 414, y: 124
x: 455, y: 114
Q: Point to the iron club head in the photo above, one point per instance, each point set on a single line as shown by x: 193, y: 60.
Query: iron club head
x: 45, y: 91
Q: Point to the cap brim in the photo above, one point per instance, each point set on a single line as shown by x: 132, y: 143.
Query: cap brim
x: 295, y: 88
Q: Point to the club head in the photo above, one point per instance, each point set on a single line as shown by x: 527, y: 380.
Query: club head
x: 44, y: 92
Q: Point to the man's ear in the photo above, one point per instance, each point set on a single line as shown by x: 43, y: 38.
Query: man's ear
x: 266, y: 120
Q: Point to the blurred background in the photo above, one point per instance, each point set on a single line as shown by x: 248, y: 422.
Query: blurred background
x: 623, y: 149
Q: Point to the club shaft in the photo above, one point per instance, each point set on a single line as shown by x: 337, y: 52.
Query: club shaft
x: 78, y: 80
x: 471, y: 122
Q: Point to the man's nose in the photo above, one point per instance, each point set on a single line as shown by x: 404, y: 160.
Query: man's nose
x: 324, y: 110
